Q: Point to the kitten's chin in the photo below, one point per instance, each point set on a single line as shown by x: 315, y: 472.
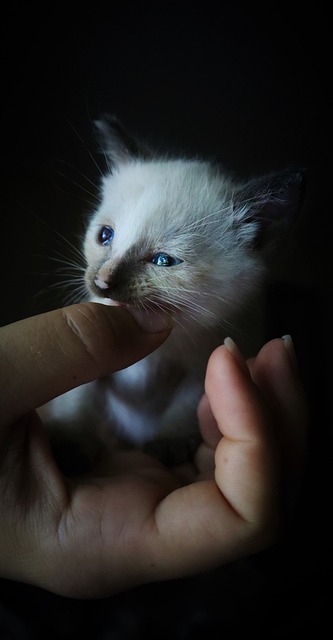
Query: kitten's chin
x: 151, y: 321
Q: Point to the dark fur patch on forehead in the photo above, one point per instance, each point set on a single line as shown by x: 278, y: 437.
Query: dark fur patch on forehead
x: 124, y: 280
x: 140, y: 250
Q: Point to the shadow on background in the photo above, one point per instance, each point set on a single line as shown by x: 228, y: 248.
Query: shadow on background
x: 246, y: 87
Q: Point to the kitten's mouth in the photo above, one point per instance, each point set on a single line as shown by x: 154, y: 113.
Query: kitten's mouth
x: 152, y: 321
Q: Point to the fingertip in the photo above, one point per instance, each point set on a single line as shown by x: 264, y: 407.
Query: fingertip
x: 278, y: 355
x: 231, y: 392
x: 54, y: 352
x: 277, y: 374
x: 227, y: 355
x: 232, y: 347
x: 151, y: 322
x: 290, y: 348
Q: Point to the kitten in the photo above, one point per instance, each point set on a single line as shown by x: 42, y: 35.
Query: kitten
x: 177, y: 236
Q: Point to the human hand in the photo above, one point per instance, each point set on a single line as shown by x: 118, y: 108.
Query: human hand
x: 94, y: 536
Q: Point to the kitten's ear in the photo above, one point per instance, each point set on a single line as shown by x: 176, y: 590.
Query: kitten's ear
x: 268, y: 205
x: 118, y: 146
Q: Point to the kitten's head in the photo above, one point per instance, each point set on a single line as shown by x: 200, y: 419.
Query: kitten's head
x: 179, y: 235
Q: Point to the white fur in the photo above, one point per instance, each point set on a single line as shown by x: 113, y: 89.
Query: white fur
x: 191, y: 211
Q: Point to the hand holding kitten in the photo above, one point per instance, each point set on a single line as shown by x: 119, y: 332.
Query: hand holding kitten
x: 139, y: 522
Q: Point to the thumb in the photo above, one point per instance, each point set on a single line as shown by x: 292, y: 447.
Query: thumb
x: 43, y: 356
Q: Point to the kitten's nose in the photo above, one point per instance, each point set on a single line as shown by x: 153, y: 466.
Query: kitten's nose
x: 105, y: 292
x: 110, y: 283
x: 103, y: 288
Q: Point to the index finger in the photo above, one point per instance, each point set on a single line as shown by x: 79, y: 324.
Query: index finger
x: 43, y: 356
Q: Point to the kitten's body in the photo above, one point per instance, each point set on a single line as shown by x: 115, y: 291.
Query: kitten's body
x: 177, y: 237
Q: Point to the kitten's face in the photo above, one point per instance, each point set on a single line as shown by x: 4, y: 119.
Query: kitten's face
x: 164, y: 238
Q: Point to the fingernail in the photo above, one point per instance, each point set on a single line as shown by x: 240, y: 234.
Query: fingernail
x: 235, y: 351
x: 151, y: 321
x: 289, y: 345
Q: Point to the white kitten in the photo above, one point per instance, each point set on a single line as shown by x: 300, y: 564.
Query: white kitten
x: 181, y: 237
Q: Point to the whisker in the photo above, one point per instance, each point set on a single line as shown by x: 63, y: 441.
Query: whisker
x: 67, y: 264
x: 86, y: 178
x: 87, y: 149
x: 91, y: 203
x: 74, y: 250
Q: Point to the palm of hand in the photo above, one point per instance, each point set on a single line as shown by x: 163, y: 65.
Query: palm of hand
x: 139, y: 521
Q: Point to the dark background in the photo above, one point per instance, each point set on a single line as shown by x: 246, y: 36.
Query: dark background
x: 244, y: 85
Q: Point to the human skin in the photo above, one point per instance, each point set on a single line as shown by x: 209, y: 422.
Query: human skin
x: 136, y: 521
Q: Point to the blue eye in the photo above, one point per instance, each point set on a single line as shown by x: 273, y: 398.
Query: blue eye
x: 164, y: 260
x: 105, y: 235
